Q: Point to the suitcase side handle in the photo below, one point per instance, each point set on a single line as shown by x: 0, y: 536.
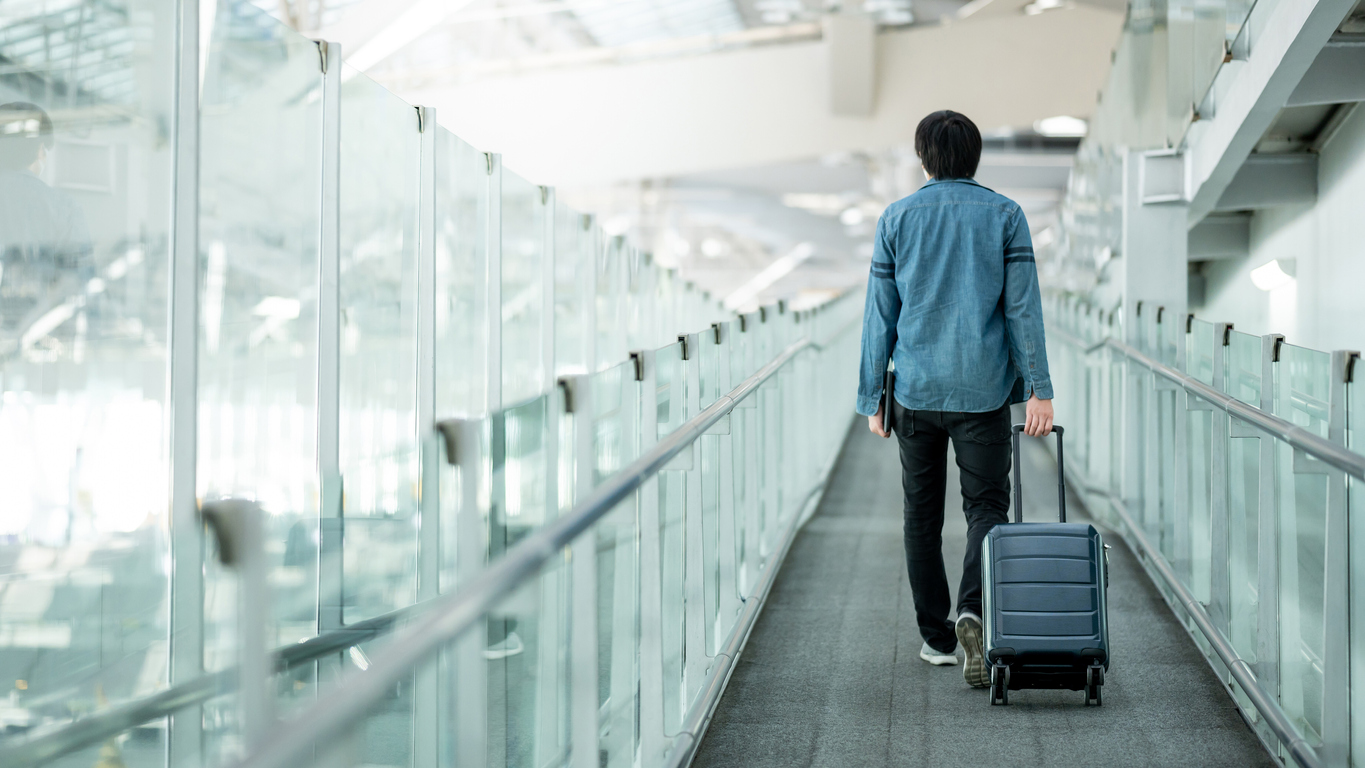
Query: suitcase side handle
x: 1019, y: 481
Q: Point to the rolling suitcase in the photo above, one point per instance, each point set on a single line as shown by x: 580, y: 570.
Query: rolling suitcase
x: 1046, y: 618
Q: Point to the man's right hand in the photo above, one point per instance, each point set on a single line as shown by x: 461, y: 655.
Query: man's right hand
x: 874, y: 423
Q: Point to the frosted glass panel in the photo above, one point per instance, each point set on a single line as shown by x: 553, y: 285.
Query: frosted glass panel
x: 1243, y: 381
x: 85, y: 211
x: 461, y: 277
x: 523, y: 289
x: 380, y: 162
x: 1302, y: 377
x: 260, y: 202
x: 575, y: 286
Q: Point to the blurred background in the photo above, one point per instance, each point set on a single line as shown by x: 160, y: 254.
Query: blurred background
x: 749, y: 143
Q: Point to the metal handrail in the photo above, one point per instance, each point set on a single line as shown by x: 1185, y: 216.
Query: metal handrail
x: 130, y: 714
x: 456, y: 613
x: 1275, y: 717
x: 1270, y: 710
x: 1318, y: 447
x: 117, y: 719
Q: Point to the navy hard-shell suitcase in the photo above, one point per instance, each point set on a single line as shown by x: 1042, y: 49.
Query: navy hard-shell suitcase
x: 1046, y: 620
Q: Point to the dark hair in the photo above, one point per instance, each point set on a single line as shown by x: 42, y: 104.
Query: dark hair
x: 948, y: 144
x: 24, y: 127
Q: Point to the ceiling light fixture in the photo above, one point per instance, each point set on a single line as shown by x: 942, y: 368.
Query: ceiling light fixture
x: 411, y: 24
x: 1039, y: 6
x: 712, y: 248
x: 1276, y: 273
x: 1062, y: 125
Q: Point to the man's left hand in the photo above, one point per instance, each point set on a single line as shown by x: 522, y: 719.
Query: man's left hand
x: 1038, y: 417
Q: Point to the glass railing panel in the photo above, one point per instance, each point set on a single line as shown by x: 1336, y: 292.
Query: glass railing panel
x: 380, y: 163
x: 461, y: 277
x: 709, y: 447
x: 527, y: 637
x: 671, y: 397
x: 528, y: 476
x: 769, y: 443
x: 85, y: 211
x: 509, y: 703
x: 574, y: 289
x: 384, y: 739
x: 1117, y: 439
x: 467, y: 497
x: 523, y: 496
x: 743, y: 459
x: 1243, y: 381
x: 616, y: 398
x: 1355, y: 500
x: 613, y: 283
x: 1146, y: 510
x: 644, y: 323
x: 1171, y: 335
x: 1199, y: 364
x: 1302, y: 381
x: 499, y: 699
x: 523, y: 284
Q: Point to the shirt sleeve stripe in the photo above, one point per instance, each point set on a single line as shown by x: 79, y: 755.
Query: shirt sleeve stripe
x: 1019, y: 249
x: 881, y: 271
x: 1022, y: 259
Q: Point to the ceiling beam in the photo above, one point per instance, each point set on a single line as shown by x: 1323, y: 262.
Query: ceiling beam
x: 1269, y: 181
x: 1289, y: 37
x: 1336, y: 74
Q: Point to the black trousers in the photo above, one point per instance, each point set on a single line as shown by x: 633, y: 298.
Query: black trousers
x: 981, y: 442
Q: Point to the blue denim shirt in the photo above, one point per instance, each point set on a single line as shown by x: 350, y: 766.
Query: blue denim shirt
x: 953, y: 301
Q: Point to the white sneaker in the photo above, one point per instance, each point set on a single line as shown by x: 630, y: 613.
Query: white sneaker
x: 937, y: 658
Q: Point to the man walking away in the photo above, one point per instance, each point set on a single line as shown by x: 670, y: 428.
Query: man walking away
x: 953, y: 302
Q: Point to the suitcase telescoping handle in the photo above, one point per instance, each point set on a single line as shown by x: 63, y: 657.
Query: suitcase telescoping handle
x: 1018, y: 477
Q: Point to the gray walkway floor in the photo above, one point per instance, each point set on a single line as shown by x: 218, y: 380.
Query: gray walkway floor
x: 832, y: 676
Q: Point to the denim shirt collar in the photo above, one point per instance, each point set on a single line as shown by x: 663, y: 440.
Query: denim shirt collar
x: 937, y: 180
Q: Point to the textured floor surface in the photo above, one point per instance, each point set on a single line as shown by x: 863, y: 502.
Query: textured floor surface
x: 832, y: 676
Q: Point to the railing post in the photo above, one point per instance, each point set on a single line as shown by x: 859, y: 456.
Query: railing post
x: 1268, y: 535
x: 583, y: 650
x: 185, y: 739
x: 426, y: 687
x: 1336, y: 637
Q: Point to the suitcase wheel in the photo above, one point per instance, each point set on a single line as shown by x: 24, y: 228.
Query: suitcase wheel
x: 1094, y: 685
x: 1000, y: 684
